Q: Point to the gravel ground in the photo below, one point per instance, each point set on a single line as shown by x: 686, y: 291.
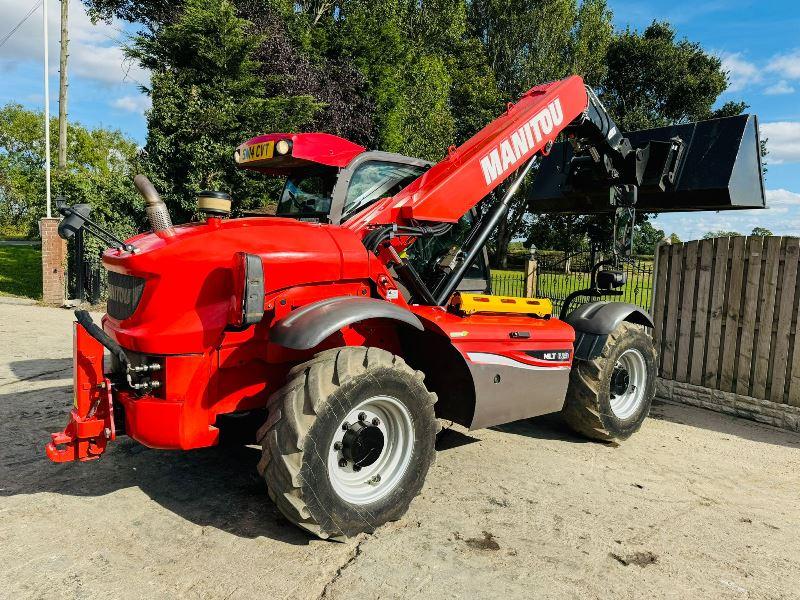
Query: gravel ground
x: 697, y: 504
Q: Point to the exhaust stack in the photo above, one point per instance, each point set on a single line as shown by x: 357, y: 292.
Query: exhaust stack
x: 157, y: 212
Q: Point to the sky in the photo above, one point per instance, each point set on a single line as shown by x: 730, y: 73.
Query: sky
x: 758, y: 41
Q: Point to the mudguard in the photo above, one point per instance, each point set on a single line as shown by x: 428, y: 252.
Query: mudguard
x: 595, y: 320
x: 308, y: 326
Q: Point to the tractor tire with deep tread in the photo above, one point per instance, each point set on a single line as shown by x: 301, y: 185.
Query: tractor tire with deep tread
x: 307, y: 414
x: 588, y: 407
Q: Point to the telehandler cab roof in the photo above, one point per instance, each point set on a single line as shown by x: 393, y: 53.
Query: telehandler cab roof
x: 283, y: 153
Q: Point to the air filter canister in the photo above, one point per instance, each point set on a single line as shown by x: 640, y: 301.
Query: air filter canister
x: 214, y: 203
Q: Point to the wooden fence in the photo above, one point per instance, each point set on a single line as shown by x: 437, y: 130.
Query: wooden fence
x: 726, y: 311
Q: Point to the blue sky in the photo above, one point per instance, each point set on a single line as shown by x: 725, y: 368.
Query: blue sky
x: 759, y: 42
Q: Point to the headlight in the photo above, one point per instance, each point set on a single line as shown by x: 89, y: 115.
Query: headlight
x: 283, y: 146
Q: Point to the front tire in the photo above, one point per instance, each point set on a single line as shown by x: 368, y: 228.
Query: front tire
x: 348, y: 442
x: 610, y: 396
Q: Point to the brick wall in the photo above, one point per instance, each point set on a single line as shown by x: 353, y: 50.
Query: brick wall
x: 54, y: 260
x: 763, y: 411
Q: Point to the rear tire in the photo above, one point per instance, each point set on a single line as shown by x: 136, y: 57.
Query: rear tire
x: 348, y: 441
x: 609, y: 397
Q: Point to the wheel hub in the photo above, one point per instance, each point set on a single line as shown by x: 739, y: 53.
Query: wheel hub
x: 620, y: 380
x: 362, y: 444
x: 371, y: 450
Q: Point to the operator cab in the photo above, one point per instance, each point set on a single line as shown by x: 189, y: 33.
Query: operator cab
x: 329, y: 180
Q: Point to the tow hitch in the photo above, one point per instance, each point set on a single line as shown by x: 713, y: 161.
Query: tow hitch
x: 91, y: 420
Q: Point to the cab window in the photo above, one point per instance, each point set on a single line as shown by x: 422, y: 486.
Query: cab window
x: 374, y: 180
x: 307, y: 194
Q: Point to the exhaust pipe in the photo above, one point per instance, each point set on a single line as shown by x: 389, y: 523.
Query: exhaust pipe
x: 157, y: 212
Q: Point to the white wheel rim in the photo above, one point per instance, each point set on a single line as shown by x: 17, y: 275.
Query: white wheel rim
x: 626, y: 404
x: 374, y: 481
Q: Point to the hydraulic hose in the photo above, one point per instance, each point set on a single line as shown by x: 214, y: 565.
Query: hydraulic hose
x: 85, y: 320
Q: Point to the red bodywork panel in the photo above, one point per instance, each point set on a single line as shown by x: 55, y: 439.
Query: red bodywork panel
x: 189, y: 291
x: 183, y: 320
x: 492, y: 333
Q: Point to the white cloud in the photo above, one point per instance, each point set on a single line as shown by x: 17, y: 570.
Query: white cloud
x: 781, y: 217
x: 741, y: 72
x: 778, y: 71
x: 787, y: 65
x: 778, y: 88
x: 95, y: 51
x: 783, y: 141
x: 134, y: 104
x: 782, y: 197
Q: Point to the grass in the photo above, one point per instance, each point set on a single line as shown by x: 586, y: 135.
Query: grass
x: 557, y: 285
x: 21, y: 271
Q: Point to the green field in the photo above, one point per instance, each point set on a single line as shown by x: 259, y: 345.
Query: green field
x: 21, y: 271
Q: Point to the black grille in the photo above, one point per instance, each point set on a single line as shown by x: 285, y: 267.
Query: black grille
x: 124, y: 293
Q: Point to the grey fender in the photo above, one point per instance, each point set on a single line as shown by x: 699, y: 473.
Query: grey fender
x: 594, y: 321
x: 309, y: 325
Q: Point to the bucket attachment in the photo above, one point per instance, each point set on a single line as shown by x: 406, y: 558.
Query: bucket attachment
x: 708, y: 165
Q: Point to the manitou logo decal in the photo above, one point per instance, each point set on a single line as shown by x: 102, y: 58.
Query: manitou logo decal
x: 512, y: 150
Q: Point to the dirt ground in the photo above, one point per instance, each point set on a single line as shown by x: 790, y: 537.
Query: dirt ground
x: 695, y: 505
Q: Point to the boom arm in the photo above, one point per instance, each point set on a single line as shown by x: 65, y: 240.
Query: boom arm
x: 472, y: 171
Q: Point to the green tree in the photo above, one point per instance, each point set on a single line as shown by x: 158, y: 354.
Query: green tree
x: 528, y: 43
x: 721, y: 233
x: 207, y: 98
x: 654, y: 79
x: 646, y: 238
x: 762, y: 231
x: 101, y: 164
x: 406, y: 52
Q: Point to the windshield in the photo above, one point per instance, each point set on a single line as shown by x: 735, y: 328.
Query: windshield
x: 374, y: 180
x: 307, y: 194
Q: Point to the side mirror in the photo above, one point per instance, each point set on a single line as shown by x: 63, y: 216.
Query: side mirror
x: 609, y: 280
x: 74, y: 219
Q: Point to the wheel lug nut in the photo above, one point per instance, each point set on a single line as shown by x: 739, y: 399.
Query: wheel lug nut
x: 376, y: 421
x: 337, y: 446
x: 362, y: 416
x: 345, y: 426
x: 342, y: 462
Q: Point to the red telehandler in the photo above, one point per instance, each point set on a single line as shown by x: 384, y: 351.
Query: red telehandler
x: 344, y: 343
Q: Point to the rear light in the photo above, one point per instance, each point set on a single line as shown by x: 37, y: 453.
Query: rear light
x: 283, y: 146
x: 247, y: 303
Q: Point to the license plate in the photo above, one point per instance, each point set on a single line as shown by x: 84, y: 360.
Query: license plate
x: 259, y: 151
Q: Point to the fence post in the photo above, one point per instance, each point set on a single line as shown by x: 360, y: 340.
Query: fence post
x: 664, y: 242
x: 530, y: 274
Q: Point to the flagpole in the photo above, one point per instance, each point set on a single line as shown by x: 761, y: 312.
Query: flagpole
x: 46, y: 112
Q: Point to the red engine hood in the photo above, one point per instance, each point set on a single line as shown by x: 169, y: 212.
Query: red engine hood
x: 189, y: 275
